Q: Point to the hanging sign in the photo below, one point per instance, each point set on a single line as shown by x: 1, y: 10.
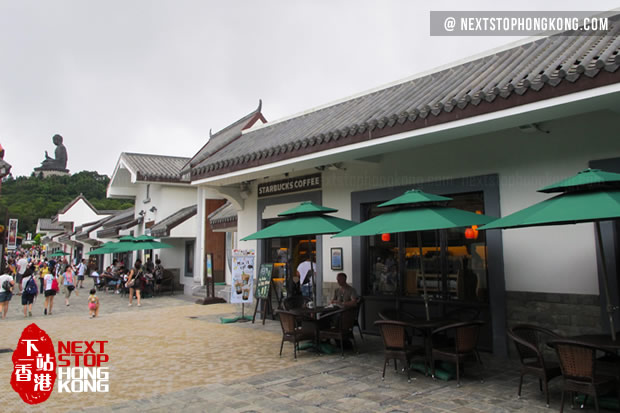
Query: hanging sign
x: 12, y: 242
x: 242, y: 276
x: 296, y: 184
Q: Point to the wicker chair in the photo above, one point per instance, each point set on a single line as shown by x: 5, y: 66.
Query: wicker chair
x: 394, y: 335
x: 464, y: 347
x: 342, y: 327
x: 360, y: 303
x: 295, y: 302
x: 578, y: 364
x: 529, y: 340
x: 291, y: 332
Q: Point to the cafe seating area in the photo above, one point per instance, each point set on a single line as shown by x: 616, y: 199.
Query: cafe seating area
x: 582, y: 369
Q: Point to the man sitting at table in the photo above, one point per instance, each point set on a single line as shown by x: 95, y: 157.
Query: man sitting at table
x: 345, y: 295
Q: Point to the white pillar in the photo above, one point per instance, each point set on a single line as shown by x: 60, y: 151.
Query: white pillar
x: 199, y: 246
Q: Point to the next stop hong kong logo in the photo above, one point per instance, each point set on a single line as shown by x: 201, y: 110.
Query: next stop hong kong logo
x: 77, y: 366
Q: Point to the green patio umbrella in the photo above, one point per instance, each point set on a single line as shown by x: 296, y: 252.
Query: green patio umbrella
x: 143, y: 242
x: 417, y: 211
x: 306, y: 219
x: 58, y: 254
x: 590, y: 196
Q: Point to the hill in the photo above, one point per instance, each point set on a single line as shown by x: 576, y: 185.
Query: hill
x: 31, y: 198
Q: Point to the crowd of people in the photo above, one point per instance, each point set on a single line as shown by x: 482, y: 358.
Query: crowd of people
x: 29, y: 274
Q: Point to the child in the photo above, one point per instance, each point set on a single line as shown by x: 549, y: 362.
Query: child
x: 93, y: 303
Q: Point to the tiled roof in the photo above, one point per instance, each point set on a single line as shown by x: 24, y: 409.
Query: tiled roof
x: 223, y: 217
x: 158, y: 168
x: 86, y: 229
x: 46, y: 224
x: 163, y: 227
x: 222, y: 138
x: 545, y: 68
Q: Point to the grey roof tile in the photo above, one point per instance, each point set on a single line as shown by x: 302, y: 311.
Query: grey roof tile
x: 530, y: 72
x: 159, y: 168
x: 163, y: 227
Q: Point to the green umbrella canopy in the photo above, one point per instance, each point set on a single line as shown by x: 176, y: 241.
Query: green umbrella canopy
x: 588, y: 179
x: 419, y: 211
x: 305, y: 219
x: 141, y: 245
x: 106, y: 248
x: 566, y: 208
x: 58, y: 254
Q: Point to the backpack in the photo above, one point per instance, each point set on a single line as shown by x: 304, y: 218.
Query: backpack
x: 31, y: 287
x: 159, y: 272
x: 6, y: 285
x: 55, y: 286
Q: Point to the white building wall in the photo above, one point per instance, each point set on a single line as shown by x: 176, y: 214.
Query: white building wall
x: 557, y: 259
x: 79, y: 213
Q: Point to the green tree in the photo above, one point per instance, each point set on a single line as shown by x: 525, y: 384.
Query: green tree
x: 31, y: 198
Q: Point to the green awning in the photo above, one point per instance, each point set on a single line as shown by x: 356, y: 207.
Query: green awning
x: 566, y: 208
x: 588, y: 179
x: 58, y: 254
x: 304, y: 225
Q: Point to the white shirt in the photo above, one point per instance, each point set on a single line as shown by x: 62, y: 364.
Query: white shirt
x: 22, y: 264
x: 81, y: 268
x: 303, y: 270
x: 3, y: 278
x: 48, y: 281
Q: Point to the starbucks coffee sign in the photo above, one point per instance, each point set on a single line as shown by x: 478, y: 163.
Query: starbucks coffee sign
x: 285, y: 186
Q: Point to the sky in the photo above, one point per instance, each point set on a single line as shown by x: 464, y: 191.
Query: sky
x: 154, y: 76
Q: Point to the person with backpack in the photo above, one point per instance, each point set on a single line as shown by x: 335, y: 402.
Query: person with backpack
x: 51, y: 288
x: 6, y: 287
x: 158, y: 274
x: 30, y: 291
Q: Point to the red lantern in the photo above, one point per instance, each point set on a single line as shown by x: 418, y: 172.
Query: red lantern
x: 385, y: 237
x: 471, y: 233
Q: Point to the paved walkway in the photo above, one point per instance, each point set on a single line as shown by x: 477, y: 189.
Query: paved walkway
x: 173, y: 355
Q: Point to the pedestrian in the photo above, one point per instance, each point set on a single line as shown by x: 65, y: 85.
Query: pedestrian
x: 51, y: 288
x: 30, y: 291
x: 68, y: 283
x: 81, y: 271
x: 158, y: 273
x: 93, y: 303
x: 6, y: 286
x: 43, y: 270
x: 22, y: 266
x: 134, y: 282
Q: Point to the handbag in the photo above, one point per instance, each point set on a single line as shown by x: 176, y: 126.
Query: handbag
x: 131, y: 282
x: 55, y: 286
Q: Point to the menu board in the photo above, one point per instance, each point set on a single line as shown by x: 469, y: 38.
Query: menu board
x: 242, y: 276
x: 263, y: 282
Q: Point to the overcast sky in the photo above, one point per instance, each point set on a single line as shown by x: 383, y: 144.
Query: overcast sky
x: 153, y: 76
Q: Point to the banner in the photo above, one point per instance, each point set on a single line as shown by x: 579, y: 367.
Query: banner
x: 12, y: 239
x: 242, y: 276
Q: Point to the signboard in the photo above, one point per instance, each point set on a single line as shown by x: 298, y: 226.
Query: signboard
x: 285, y: 186
x: 242, y: 276
x: 12, y: 238
x: 263, y: 282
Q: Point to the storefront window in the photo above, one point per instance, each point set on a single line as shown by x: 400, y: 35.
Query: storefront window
x: 292, y: 251
x: 454, y: 260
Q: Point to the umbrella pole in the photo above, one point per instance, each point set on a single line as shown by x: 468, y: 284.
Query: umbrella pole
x: 428, y: 316
x: 610, y: 309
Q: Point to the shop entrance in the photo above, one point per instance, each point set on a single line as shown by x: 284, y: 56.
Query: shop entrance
x: 286, y: 254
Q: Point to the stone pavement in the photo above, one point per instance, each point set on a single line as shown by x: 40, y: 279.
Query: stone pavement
x: 173, y: 355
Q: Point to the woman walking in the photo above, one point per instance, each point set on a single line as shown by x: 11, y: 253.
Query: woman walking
x: 68, y: 283
x: 134, y: 282
x: 30, y: 291
x: 51, y: 284
x: 6, y: 287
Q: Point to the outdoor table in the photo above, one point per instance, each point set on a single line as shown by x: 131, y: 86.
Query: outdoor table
x: 603, y: 341
x: 311, y: 317
x: 427, y: 327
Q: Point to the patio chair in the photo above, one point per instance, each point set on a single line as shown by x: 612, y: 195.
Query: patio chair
x: 529, y: 341
x: 394, y: 335
x: 578, y: 365
x: 465, y: 342
x: 295, y: 302
x: 360, y: 303
x: 291, y: 331
x: 342, y: 322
